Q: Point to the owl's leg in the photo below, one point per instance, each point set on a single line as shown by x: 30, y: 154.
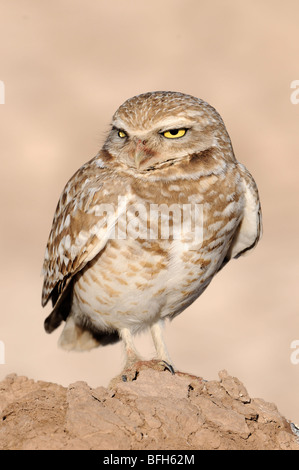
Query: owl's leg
x: 133, y: 361
x: 131, y: 353
x: 162, y: 353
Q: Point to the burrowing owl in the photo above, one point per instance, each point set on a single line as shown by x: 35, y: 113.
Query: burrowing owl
x: 123, y: 253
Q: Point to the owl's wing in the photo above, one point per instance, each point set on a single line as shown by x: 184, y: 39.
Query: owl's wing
x: 85, y: 219
x: 250, y: 230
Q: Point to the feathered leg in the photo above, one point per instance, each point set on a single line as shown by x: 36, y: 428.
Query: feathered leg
x: 162, y: 353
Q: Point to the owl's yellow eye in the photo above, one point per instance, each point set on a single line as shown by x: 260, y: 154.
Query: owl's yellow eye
x: 122, y: 134
x: 174, y: 133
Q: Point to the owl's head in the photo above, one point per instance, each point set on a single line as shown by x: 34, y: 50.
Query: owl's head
x: 158, y: 129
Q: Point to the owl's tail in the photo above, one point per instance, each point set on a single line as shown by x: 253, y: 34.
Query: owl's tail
x: 80, y: 338
x: 75, y: 336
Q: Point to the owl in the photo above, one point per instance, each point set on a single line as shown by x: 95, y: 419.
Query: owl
x: 140, y: 230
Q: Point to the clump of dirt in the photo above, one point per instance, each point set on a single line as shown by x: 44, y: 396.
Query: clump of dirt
x: 152, y: 410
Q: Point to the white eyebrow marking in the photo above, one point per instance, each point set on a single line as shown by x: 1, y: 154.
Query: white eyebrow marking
x: 171, y: 123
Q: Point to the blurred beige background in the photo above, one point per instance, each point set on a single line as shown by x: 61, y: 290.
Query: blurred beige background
x: 67, y: 65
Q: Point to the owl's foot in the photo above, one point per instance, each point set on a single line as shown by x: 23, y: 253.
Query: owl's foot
x: 133, y: 362
x: 168, y: 366
x: 131, y: 373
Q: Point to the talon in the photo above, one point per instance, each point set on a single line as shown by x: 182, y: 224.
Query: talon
x: 169, y: 367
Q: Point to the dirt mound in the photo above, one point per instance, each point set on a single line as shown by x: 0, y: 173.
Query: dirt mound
x: 152, y: 410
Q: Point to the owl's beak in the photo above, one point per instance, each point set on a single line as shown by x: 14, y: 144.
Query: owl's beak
x: 139, y: 157
x: 142, y: 152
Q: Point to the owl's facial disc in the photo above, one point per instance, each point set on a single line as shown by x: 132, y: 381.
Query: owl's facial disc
x: 158, y: 143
